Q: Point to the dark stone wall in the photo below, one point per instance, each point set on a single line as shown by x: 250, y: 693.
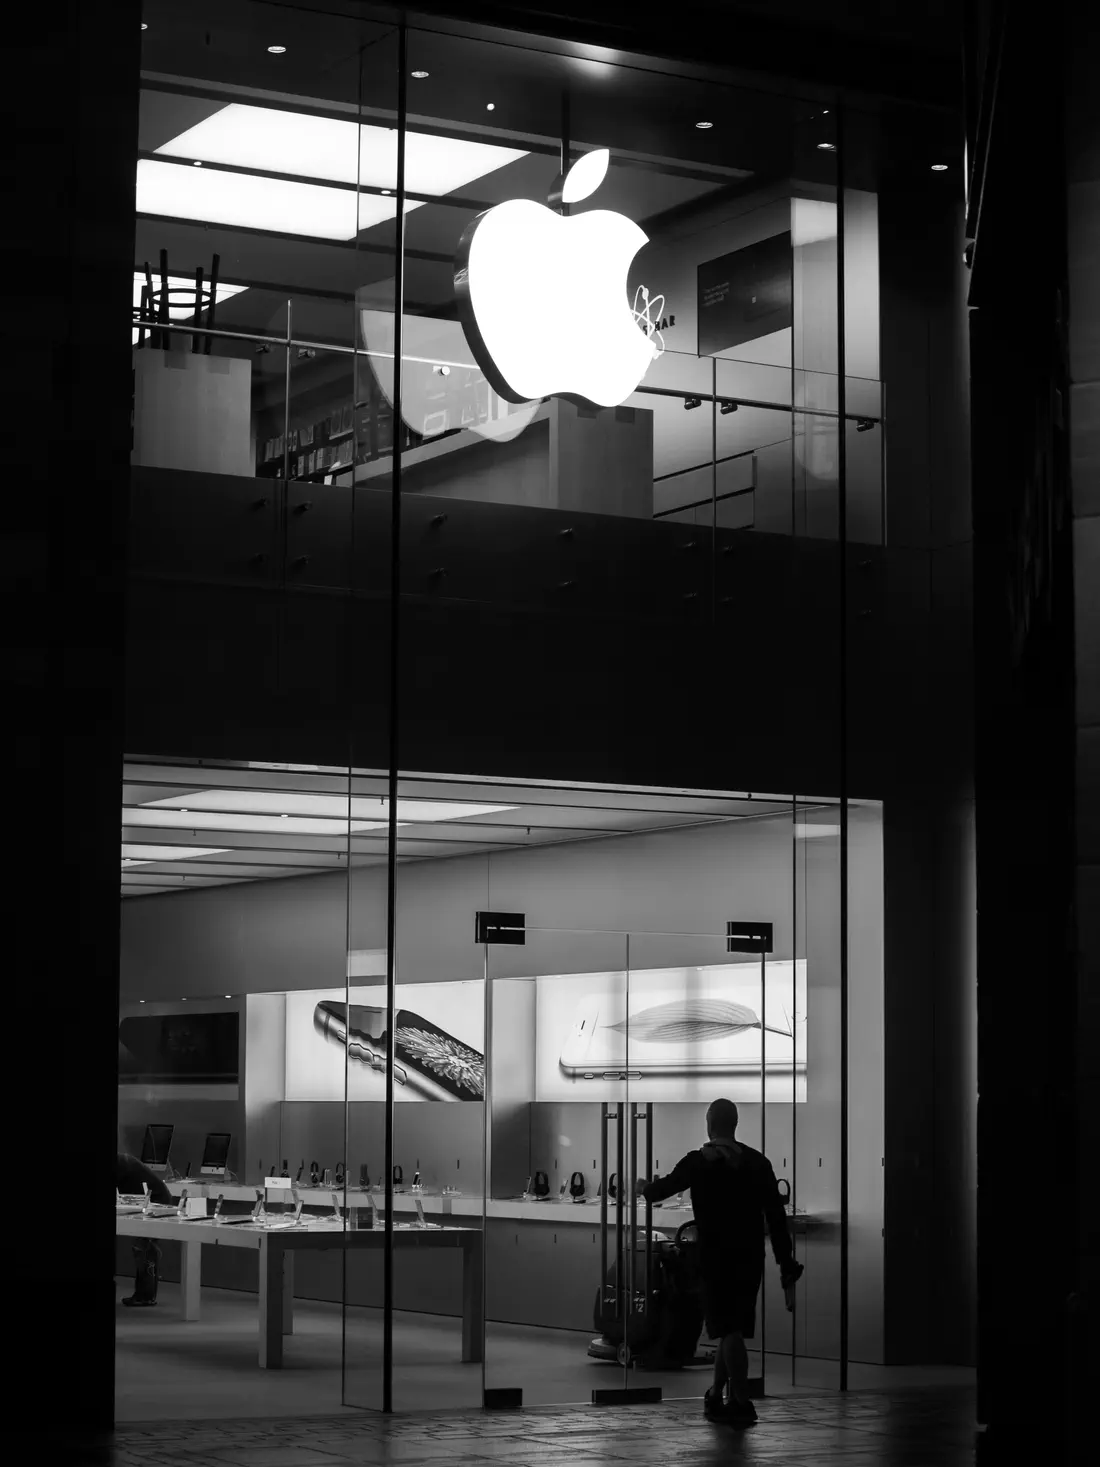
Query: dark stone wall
x: 71, y: 87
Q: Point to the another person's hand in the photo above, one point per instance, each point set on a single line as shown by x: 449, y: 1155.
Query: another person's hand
x: 788, y: 1297
x: 639, y: 1186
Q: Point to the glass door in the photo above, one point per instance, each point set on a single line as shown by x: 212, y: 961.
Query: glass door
x: 558, y: 1206
x: 715, y: 1018
x: 604, y: 1051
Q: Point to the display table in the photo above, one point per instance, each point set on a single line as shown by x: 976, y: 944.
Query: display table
x: 277, y: 1244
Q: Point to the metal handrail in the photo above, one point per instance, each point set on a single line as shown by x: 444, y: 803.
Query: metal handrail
x: 189, y: 328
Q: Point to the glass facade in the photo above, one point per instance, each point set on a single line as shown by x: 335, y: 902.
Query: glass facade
x: 489, y: 719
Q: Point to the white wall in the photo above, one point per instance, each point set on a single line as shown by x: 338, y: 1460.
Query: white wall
x: 762, y: 369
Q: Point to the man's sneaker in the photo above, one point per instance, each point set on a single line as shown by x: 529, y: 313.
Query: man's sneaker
x: 714, y: 1408
x: 741, y: 1413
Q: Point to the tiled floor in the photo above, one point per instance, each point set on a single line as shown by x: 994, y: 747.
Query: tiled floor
x: 930, y: 1427
x: 166, y: 1370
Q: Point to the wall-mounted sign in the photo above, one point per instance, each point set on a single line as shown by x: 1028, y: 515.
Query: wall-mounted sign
x: 543, y: 297
x: 745, y: 294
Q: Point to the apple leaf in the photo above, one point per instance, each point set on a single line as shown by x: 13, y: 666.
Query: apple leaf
x: 585, y: 176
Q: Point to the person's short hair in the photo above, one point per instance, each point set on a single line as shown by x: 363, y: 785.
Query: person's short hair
x: 721, y: 1118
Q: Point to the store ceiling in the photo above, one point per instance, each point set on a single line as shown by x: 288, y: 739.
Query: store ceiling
x: 186, y: 827
x: 198, y: 58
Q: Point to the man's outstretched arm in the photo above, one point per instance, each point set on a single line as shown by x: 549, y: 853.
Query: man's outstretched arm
x: 678, y: 1180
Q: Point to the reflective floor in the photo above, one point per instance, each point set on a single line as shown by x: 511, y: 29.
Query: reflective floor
x: 919, y: 1427
x: 170, y: 1371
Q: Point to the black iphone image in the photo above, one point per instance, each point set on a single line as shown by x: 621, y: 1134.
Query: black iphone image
x: 427, y: 1059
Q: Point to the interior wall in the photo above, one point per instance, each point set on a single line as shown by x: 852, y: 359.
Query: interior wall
x: 194, y: 1110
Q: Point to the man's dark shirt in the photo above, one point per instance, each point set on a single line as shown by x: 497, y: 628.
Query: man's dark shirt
x: 733, y: 1195
x: 129, y: 1175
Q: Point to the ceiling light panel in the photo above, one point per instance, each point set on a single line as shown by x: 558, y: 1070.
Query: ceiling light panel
x: 149, y: 855
x: 293, y: 813
x: 189, y: 819
x: 342, y: 152
x: 326, y: 807
x: 245, y: 201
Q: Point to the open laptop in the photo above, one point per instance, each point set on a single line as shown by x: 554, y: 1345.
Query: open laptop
x: 155, y: 1148
x: 215, y: 1154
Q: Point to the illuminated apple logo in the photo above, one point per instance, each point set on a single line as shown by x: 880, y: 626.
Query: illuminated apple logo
x: 543, y: 297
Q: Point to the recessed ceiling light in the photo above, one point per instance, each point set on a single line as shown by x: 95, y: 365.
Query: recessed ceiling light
x: 387, y: 191
x: 420, y: 75
x: 704, y: 125
x: 229, y: 995
x: 826, y: 147
x: 939, y: 167
x: 197, y: 163
x: 277, y: 50
x: 141, y: 1000
x: 144, y: 28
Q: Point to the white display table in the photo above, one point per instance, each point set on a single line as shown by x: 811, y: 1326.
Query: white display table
x: 277, y: 1244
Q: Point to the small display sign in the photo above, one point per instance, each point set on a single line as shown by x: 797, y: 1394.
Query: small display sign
x: 745, y: 294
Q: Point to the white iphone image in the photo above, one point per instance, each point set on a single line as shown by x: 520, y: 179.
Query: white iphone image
x: 679, y: 1032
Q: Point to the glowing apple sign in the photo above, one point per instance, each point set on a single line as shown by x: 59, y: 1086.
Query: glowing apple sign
x: 543, y: 297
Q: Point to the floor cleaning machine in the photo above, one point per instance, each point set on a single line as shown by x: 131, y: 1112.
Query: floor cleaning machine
x: 652, y: 1320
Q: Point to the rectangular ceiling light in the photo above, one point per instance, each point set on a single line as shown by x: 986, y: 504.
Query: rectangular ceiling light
x: 339, y: 151
x: 292, y: 812
x: 151, y: 855
x: 250, y: 202
x: 195, y: 819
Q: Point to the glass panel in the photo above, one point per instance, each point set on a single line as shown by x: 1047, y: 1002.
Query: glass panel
x: 438, y: 1122
x: 344, y: 436
x: 558, y: 1169
x: 233, y: 890
x: 710, y: 1024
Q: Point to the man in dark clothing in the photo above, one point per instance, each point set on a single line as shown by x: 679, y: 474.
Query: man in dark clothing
x: 733, y: 1194
x: 130, y: 1175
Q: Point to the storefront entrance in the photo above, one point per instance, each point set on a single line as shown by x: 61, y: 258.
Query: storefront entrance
x: 602, y: 1051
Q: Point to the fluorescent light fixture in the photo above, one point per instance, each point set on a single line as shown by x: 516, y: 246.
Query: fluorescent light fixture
x: 329, y: 148
x: 294, y: 813
x: 245, y: 201
x: 161, y: 819
x: 815, y: 832
x: 151, y: 855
